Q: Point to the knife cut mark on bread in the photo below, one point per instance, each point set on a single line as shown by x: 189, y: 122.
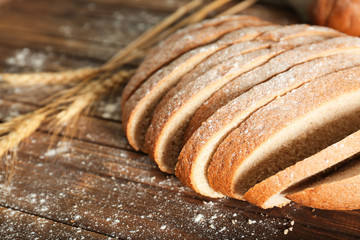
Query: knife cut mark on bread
x: 272, y: 191
x: 196, y: 155
x: 287, y: 130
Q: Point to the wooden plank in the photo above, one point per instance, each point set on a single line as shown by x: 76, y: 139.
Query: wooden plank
x: 94, y: 34
x: 96, y: 8
x: 122, y: 194
x: 122, y: 208
x: 74, y: 47
x: 40, y: 60
x: 111, y: 30
x: 19, y: 225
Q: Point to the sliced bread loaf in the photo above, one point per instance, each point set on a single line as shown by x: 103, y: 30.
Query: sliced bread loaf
x: 181, y: 42
x: 339, y: 191
x: 196, y: 154
x: 165, y: 134
x: 274, y: 66
x: 287, y: 130
x: 272, y: 191
x: 138, y: 109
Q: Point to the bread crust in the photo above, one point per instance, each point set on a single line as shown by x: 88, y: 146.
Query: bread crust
x: 261, y: 194
x: 231, y: 157
x: 138, y: 108
x: 334, y: 195
x: 180, y: 42
x: 195, y: 153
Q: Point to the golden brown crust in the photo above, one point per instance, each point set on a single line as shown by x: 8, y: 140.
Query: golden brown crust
x: 266, y: 122
x: 276, y: 184
x: 195, y: 152
x: 180, y: 42
x: 339, y: 195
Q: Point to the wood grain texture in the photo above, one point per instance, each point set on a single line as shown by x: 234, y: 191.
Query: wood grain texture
x: 95, y: 186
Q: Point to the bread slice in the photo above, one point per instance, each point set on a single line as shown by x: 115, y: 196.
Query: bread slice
x: 288, y: 129
x: 165, y: 134
x: 196, y: 154
x: 181, y: 42
x: 274, y: 66
x: 272, y: 191
x: 137, y: 111
x: 339, y: 191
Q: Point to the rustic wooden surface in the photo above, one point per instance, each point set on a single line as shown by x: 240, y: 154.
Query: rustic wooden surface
x: 95, y: 186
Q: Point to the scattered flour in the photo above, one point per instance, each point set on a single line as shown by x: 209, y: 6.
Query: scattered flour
x: 199, y: 218
x: 28, y: 58
x: 62, y: 147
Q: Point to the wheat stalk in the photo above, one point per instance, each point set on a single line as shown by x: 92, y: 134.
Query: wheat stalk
x: 91, y: 83
x: 46, y: 78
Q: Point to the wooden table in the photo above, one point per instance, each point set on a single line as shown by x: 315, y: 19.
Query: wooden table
x: 95, y: 186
